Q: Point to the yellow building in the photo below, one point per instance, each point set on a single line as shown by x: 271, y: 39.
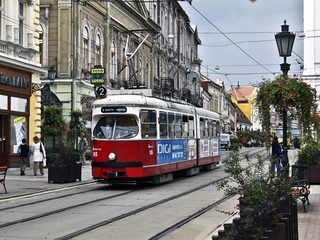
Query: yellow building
x: 243, y: 97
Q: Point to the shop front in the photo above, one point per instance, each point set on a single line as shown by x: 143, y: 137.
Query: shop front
x: 15, y: 92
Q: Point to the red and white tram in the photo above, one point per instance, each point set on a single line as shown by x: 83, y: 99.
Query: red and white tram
x: 137, y: 137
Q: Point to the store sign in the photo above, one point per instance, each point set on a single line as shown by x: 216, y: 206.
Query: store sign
x: 97, y: 74
x: 14, y: 81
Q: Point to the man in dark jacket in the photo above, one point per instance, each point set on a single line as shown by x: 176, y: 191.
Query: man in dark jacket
x: 24, y: 154
x: 82, y: 147
x: 276, y: 154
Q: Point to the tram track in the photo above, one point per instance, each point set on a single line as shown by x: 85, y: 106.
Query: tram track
x: 107, y: 201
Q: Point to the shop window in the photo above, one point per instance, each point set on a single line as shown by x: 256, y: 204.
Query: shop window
x: 18, y: 125
x: 18, y: 104
x: 3, y: 102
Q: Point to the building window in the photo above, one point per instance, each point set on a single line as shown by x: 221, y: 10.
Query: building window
x: 1, y: 18
x: 85, y: 47
x: 18, y: 104
x: 112, y: 61
x: 18, y: 125
x: 21, y: 22
x: 98, y: 50
x: 147, y: 75
x: 3, y: 102
x: 41, y: 43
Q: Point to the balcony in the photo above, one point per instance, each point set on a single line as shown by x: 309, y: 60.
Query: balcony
x: 196, y: 100
x: 167, y: 83
x: 16, y: 51
x: 186, y: 95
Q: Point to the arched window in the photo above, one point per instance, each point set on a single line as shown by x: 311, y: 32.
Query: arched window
x: 112, y: 61
x: 147, y: 76
x: 41, y: 43
x: 85, y: 47
x: 124, y: 63
x: 141, y: 73
x: 98, y: 50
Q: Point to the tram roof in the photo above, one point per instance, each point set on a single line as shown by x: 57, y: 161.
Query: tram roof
x: 144, y: 98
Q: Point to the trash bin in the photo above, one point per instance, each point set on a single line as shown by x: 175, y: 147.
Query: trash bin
x: 74, y: 171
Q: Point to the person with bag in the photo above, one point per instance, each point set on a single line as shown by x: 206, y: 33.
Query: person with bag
x: 39, y: 154
x: 276, y: 155
x: 82, y: 147
x: 23, y: 151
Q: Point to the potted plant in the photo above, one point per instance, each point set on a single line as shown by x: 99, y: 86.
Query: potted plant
x: 58, y: 171
x: 309, y: 155
x: 263, y: 198
x: 62, y: 162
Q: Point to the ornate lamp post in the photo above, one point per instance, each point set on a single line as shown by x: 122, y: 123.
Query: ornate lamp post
x: 285, y: 40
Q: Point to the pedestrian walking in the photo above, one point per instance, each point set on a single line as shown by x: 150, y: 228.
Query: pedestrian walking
x: 24, y: 154
x: 82, y: 147
x: 39, y: 153
x: 276, y: 154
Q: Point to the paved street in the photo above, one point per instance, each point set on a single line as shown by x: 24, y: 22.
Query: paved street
x: 19, y: 185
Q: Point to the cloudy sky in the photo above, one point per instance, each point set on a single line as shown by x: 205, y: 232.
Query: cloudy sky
x: 238, y: 43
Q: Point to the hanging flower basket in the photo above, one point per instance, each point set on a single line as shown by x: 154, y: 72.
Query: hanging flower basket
x: 291, y: 94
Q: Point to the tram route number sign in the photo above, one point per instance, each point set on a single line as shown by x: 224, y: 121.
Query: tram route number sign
x: 97, y: 75
x: 101, y: 92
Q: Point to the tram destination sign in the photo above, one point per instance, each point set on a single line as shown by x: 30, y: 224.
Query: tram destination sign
x: 113, y: 109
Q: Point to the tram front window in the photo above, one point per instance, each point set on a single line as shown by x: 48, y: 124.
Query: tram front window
x: 116, y: 127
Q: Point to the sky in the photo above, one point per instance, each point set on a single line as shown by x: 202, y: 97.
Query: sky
x: 237, y: 38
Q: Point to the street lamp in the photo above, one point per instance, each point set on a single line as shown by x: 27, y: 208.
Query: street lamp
x: 285, y: 40
x: 52, y: 74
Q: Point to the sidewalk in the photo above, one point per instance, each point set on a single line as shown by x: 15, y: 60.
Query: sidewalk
x: 307, y: 222
x: 20, y: 185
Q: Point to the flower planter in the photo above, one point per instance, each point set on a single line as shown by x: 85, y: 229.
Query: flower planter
x: 58, y: 174
x: 66, y: 173
x: 313, y: 174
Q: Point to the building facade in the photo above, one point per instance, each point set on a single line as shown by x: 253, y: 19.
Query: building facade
x: 20, y: 73
x: 311, y: 44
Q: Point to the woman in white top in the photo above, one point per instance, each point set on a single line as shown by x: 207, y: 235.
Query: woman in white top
x: 38, y: 155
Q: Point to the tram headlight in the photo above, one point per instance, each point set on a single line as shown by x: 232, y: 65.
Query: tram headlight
x: 112, y: 157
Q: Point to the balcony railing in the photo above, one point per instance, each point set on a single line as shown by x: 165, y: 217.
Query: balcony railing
x: 16, y: 51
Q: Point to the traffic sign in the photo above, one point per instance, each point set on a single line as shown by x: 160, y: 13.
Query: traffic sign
x: 101, y: 92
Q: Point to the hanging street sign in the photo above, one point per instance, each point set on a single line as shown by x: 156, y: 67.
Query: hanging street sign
x: 97, y: 75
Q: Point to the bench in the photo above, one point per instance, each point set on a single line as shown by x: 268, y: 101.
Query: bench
x: 301, y: 187
x: 3, y: 173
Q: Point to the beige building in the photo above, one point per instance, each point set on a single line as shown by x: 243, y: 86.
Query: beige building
x: 20, y: 73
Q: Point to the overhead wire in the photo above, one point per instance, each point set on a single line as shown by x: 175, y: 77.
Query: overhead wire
x: 235, y: 44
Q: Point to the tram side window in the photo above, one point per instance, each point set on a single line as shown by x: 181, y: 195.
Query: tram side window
x: 210, y: 126
x: 178, y: 126
x: 202, y: 127
x: 191, y: 127
x: 148, y: 123
x: 171, y: 121
x: 163, y: 125
x: 185, y: 126
x: 217, y: 129
x: 206, y: 128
